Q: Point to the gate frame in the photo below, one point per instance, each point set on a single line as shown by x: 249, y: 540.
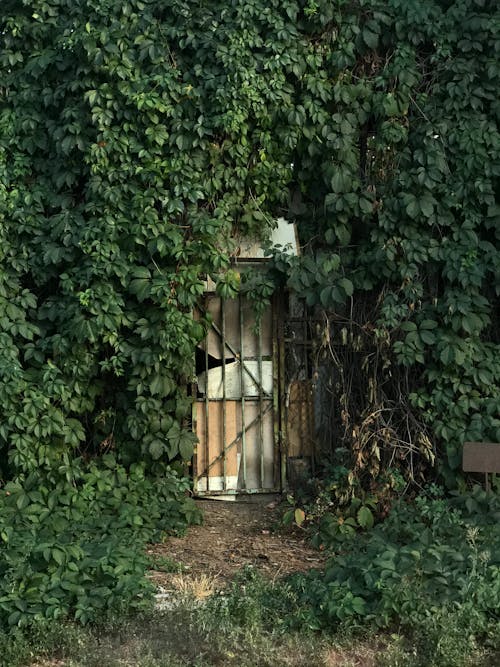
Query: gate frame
x: 278, y: 415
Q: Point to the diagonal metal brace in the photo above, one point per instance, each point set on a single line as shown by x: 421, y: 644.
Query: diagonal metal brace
x: 237, y: 355
x: 235, y: 441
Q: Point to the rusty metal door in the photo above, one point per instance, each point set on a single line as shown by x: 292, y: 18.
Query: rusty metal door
x: 236, y: 408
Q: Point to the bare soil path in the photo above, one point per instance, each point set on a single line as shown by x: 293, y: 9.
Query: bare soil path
x: 234, y: 535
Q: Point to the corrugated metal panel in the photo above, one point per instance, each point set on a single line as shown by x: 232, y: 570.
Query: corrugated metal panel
x: 236, y: 407
x: 249, y: 342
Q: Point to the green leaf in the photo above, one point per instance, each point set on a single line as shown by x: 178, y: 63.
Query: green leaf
x: 58, y: 556
x: 186, y: 445
x: 427, y: 336
x: 341, y: 181
x: 413, y: 208
x: 325, y: 296
x: 141, y: 288
x: 359, y: 605
x: 14, y: 618
x: 347, y: 286
x: 447, y: 355
x: 365, y: 517
x: 428, y: 324
x: 408, y: 326
x: 156, y: 449
x: 141, y: 272
x: 366, y: 205
x: 426, y: 206
x: 370, y: 38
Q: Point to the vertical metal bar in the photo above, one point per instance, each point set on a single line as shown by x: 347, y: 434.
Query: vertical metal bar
x: 261, y: 398
x: 305, y: 346
x: 223, y: 329
x: 305, y: 414
x: 207, y: 411
x: 194, y: 416
x: 282, y: 346
x: 196, y: 468
x: 276, y: 396
x: 311, y: 417
x: 242, y: 382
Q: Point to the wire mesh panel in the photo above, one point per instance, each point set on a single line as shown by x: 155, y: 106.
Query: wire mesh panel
x: 298, y: 387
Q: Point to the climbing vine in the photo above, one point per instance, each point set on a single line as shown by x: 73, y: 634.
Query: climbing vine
x: 137, y: 137
x: 395, y: 189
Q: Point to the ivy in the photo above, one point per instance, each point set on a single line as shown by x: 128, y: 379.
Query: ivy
x: 126, y: 158
x: 74, y: 545
x: 396, y: 170
x: 137, y: 137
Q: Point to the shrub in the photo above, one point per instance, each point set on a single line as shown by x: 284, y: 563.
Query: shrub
x: 73, y: 545
x: 431, y: 569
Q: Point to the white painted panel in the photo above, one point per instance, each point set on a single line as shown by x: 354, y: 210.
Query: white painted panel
x: 217, y: 483
x: 233, y: 380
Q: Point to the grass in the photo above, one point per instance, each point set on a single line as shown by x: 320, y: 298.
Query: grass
x: 241, y: 627
x: 185, y: 637
x: 244, y: 626
x: 177, y: 640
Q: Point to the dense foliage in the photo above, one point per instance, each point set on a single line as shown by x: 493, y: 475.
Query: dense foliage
x: 136, y: 136
x: 73, y: 545
x: 396, y: 182
x: 420, y: 590
x: 431, y: 568
x: 425, y: 583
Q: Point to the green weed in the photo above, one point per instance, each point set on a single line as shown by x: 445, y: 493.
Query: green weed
x: 430, y: 573
x: 74, y: 548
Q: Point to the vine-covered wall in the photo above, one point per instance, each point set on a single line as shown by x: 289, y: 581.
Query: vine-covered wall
x: 135, y: 136
x: 397, y: 173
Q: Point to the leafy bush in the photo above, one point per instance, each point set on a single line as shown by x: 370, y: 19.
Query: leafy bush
x: 132, y: 140
x: 431, y: 569
x: 126, y: 158
x: 335, y: 504
x: 395, y: 191
x: 73, y: 545
x: 399, y: 178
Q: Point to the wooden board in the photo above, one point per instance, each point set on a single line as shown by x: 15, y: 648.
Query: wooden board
x: 209, y: 449
x: 481, y: 457
x: 255, y: 448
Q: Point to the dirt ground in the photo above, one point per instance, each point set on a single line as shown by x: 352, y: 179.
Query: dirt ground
x: 233, y: 535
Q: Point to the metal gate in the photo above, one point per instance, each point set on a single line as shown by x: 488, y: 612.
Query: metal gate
x: 236, y: 411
